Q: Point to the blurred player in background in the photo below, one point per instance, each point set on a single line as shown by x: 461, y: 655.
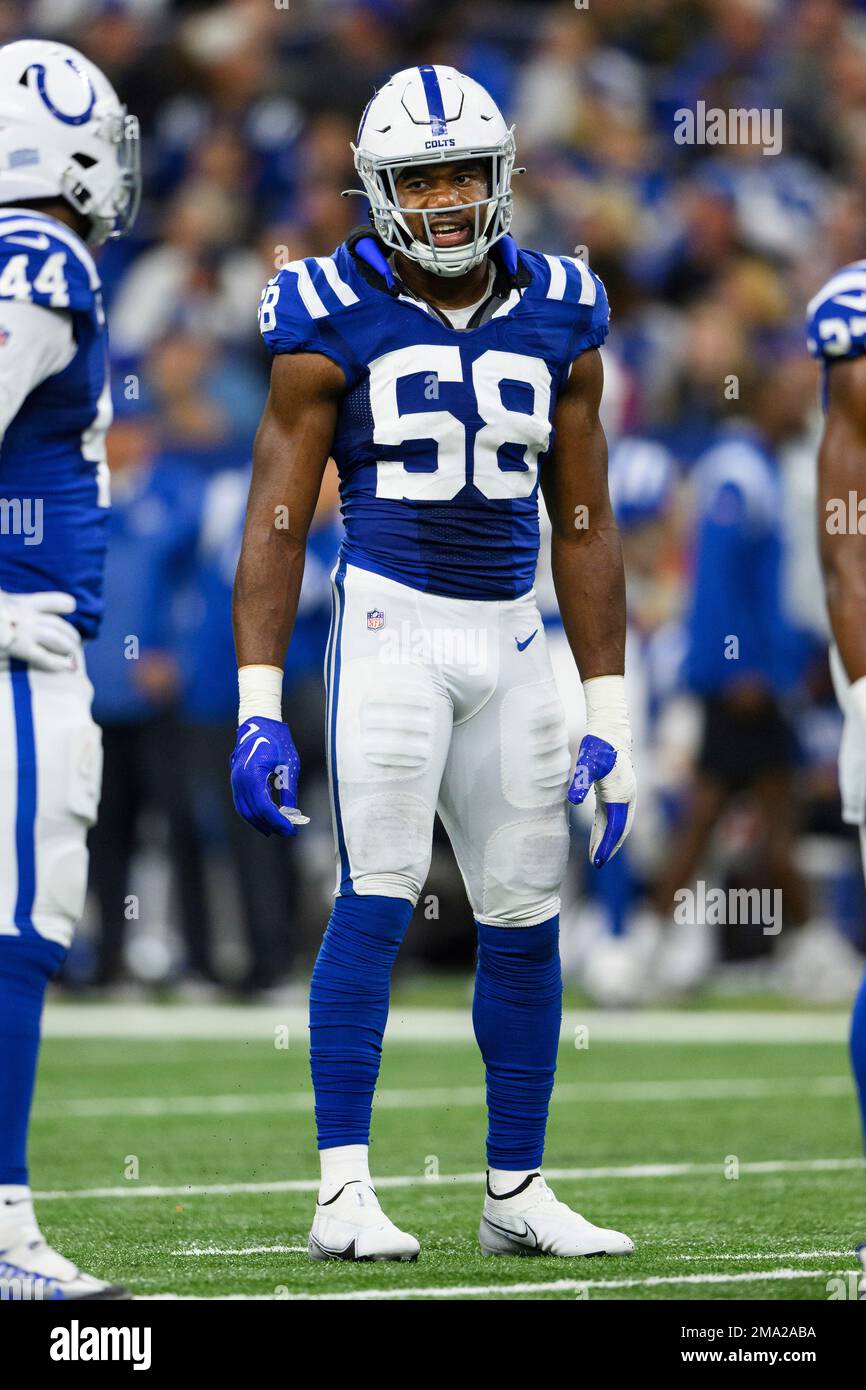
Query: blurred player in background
x: 68, y: 179
x: 435, y: 361
x: 836, y: 334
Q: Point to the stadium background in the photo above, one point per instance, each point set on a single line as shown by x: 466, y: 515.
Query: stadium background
x: 709, y: 255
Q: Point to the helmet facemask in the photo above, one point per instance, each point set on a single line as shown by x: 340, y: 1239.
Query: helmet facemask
x: 492, y: 214
x: 107, y: 191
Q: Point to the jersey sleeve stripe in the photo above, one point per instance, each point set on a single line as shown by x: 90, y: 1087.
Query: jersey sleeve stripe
x: 342, y: 289
x: 843, y: 283
x: 556, y: 288
x: 588, y: 289
x: 307, y: 290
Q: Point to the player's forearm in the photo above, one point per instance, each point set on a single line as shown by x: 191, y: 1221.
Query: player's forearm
x: 590, y: 589
x: 845, y: 586
x: 266, y: 592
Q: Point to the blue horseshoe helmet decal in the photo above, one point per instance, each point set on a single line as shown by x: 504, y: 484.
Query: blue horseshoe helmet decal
x: 84, y: 116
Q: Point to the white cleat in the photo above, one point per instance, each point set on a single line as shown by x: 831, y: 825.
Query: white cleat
x: 352, y: 1226
x: 30, y: 1271
x: 533, y: 1222
x: 861, y: 1290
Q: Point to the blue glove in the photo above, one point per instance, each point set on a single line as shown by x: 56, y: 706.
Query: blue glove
x: 265, y: 768
x: 610, y: 771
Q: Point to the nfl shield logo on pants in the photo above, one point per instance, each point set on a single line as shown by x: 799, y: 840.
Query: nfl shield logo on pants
x: 375, y: 619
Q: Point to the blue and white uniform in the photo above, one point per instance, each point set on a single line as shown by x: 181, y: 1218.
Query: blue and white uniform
x: 55, y: 408
x: 441, y: 694
x: 836, y: 331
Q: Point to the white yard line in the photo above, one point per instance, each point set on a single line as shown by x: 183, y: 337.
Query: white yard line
x: 638, y: 1170
x: 449, y: 1097
x: 711, y: 1257
x: 197, y: 1251
x: 552, y: 1286
x: 747, y: 1255
x: 258, y: 1022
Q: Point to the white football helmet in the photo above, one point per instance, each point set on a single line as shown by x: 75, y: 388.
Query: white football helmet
x: 64, y: 133
x: 425, y: 115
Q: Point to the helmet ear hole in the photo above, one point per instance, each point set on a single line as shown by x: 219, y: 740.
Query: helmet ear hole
x: 85, y: 160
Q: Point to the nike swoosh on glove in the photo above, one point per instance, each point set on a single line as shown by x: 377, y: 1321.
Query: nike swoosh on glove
x: 264, y: 772
x: 610, y: 771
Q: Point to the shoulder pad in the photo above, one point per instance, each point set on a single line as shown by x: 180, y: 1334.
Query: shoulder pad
x: 836, y: 317
x: 573, y: 295
x: 43, y: 262
x: 304, y: 306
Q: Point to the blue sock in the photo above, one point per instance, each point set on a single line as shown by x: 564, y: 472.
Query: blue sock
x: 349, y: 995
x: 516, y: 1013
x: 858, y: 1050
x: 27, y: 964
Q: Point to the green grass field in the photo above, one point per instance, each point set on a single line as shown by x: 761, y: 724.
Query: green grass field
x: 117, y: 1118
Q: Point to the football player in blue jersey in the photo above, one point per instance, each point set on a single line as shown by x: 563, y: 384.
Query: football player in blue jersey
x: 836, y: 335
x: 68, y: 180
x: 448, y: 372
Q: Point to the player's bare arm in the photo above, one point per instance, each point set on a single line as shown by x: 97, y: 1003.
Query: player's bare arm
x: 842, y: 470
x: 586, y: 554
x: 289, y: 457
x: 586, y: 559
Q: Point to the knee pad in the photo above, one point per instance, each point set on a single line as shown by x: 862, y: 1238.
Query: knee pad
x: 524, y: 864
x: 389, y: 839
x: 61, y: 837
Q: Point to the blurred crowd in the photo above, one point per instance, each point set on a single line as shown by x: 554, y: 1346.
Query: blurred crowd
x: 709, y: 254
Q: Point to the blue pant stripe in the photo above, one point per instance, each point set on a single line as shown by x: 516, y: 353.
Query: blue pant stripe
x: 333, y: 698
x: 25, y: 816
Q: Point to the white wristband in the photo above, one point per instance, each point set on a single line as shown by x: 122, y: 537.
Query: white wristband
x: 606, y: 709
x: 261, y: 693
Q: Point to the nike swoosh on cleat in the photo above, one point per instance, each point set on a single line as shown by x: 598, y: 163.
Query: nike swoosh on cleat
x: 521, y: 646
x: 347, y: 1254
x: 523, y: 1236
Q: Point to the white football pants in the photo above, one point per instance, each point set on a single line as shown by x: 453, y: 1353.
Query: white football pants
x: 50, y: 780
x: 445, y: 704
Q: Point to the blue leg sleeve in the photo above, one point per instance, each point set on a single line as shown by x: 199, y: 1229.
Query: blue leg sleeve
x: 27, y: 964
x: 517, y: 1013
x: 349, y: 995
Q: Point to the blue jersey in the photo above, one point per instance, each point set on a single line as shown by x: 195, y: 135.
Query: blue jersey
x: 441, y: 432
x: 738, y: 627
x: 836, y: 317
x: 53, y: 452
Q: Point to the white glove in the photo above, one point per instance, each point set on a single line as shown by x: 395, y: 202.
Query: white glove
x: 31, y: 630
x: 604, y: 762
